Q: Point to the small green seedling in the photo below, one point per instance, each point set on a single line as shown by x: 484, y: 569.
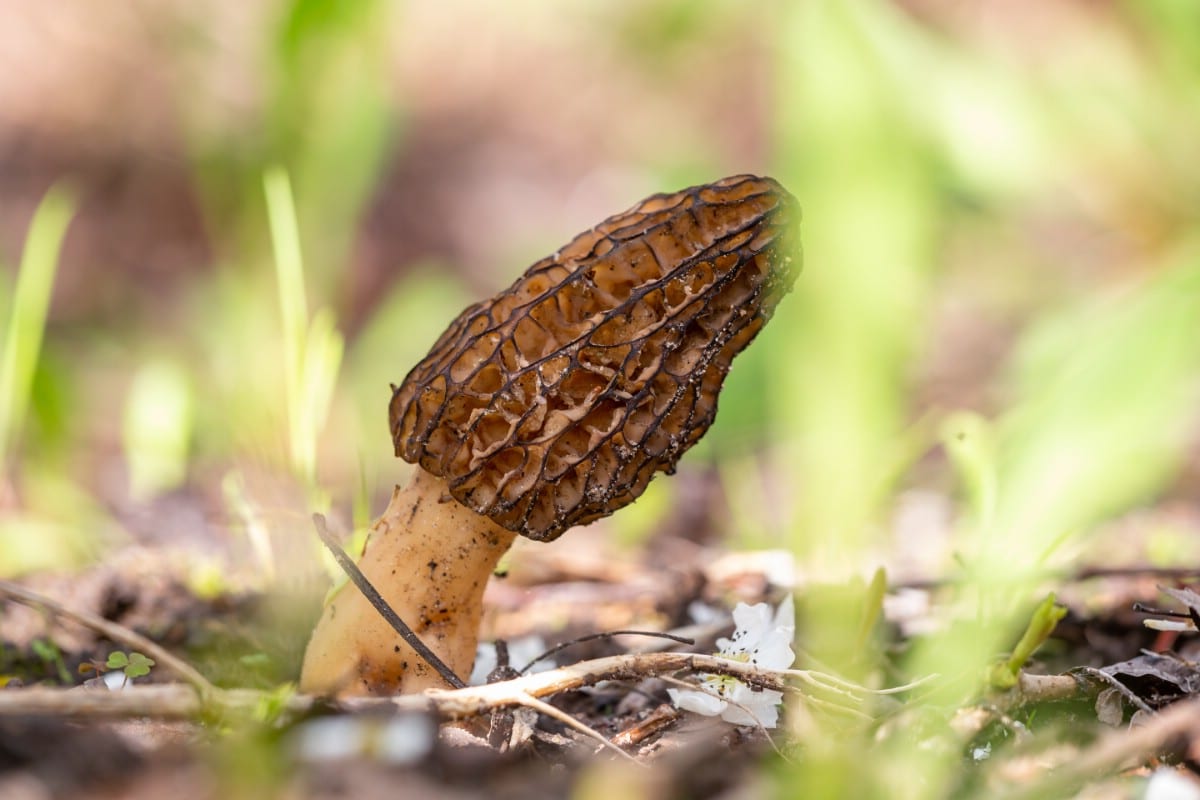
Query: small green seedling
x: 273, y: 704
x: 49, y: 653
x: 1005, y: 674
x: 134, y: 665
x: 872, y: 608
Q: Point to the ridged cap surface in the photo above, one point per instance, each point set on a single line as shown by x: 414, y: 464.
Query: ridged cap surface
x: 554, y: 403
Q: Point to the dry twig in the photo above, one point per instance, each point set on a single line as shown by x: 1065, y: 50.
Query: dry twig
x: 181, y: 702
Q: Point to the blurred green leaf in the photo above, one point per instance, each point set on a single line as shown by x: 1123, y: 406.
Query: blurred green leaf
x: 1102, y: 395
x: 639, y: 521
x: 158, y: 428
x: 272, y: 705
x: 312, y: 350
x: 848, y: 149
x: 969, y: 441
x: 312, y: 21
x: 51, y: 655
x: 30, y: 303
x: 405, y: 324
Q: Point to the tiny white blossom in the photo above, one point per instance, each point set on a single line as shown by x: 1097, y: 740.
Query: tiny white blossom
x: 761, y: 638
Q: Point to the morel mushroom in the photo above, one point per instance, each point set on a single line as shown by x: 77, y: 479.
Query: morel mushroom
x: 552, y: 405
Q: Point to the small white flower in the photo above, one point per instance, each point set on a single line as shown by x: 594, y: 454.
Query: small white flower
x: 761, y: 638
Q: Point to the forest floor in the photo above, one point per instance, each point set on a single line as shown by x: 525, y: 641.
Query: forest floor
x: 1110, y: 715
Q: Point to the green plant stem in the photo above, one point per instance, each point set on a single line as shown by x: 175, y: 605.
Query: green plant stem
x: 31, y: 301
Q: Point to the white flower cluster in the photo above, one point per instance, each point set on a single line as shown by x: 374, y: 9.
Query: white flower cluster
x: 762, y: 638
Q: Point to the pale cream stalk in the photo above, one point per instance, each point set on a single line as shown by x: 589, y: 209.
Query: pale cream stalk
x: 430, y: 558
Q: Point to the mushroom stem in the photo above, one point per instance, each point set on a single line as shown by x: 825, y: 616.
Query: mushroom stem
x: 430, y: 558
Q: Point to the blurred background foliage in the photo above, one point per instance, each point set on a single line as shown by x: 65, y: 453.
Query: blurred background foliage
x: 269, y: 211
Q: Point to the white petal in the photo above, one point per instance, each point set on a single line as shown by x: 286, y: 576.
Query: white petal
x: 699, y: 702
x: 763, y: 707
x: 751, y: 623
x: 763, y: 714
x: 752, y: 619
x: 774, y: 647
x: 775, y: 652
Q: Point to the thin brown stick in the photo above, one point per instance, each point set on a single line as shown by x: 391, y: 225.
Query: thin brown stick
x: 160, y: 701
x: 558, y: 648
x: 542, y: 707
x: 1111, y: 681
x: 180, y: 702
x: 1069, y: 575
x: 112, y: 630
x: 1174, y: 573
x: 1033, y: 689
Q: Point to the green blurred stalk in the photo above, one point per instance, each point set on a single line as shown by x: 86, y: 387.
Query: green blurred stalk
x: 1106, y: 394
x: 847, y: 148
x: 31, y: 301
x: 327, y: 111
x: 312, y: 350
x: 293, y: 303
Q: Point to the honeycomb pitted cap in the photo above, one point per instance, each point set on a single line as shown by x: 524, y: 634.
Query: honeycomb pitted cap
x: 554, y: 403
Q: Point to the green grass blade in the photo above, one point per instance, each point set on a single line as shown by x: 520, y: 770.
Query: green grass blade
x: 31, y: 301
x: 293, y: 306
x: 312, y: 350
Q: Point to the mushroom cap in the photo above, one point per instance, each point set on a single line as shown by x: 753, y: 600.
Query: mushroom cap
x: 554, y: 403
